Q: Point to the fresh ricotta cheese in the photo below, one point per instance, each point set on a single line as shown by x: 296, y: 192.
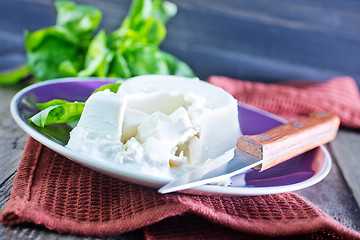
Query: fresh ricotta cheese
x: 99, y: 128
x: 167, y: 123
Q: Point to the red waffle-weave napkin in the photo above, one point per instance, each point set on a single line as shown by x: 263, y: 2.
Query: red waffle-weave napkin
x: 290, y: 100
x: 64, y: 196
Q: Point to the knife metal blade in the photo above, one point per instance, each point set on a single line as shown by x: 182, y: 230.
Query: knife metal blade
x: 232, y: 163
x: 262, y: 151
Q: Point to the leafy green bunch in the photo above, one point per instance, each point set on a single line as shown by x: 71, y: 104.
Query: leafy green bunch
x: 70, y: 48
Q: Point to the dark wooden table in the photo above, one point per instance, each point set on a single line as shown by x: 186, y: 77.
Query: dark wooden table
x: 256, y: 40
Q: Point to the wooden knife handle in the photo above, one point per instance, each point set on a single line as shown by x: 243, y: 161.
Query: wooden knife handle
x: 291, y: 139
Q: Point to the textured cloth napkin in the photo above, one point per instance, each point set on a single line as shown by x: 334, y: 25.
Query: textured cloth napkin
x: 290, y: 100
x: 64, y: 196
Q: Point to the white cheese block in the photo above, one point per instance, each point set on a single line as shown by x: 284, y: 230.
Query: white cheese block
x: 211, y: 110
x: 102, y: 114
x: 98, y: 127
x: 164, y: 124
x: 175, y: 128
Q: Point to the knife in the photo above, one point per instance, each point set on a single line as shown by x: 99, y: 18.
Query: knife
x: 262, y: 151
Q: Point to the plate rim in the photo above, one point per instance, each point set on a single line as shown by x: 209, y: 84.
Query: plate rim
x: 108, y: 167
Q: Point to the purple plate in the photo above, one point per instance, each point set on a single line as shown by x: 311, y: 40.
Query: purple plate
x: 296, y: 173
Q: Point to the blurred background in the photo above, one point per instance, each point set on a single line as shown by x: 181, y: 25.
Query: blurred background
x: 247, y: 39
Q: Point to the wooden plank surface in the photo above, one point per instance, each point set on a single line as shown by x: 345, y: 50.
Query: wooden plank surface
x: 12, y: 140
x: 16, y: 17
x: 248, y: 39
x: 261, y: 41
x: 333, y: 196
x: 346, y: 149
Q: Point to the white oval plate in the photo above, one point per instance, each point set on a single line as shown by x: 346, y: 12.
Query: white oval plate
x: 297, y: 173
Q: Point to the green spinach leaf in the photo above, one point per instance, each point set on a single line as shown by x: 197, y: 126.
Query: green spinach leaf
x: 64, y: 113
x: 14, y: 76
x: 113, y: 87
x: 54, y: 102
x: 59, y: 111
x: 97, y: 58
